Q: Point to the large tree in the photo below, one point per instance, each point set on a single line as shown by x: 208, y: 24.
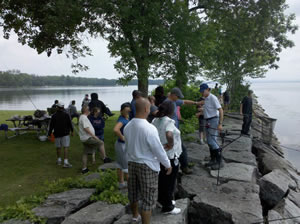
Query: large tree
x: 248, y: 37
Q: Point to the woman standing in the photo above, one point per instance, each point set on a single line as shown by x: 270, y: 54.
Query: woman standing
x: 98, y: 124
x: 170, y: 138
x: 121, y: 157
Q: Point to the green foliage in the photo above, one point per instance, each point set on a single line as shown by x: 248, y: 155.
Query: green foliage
x: 189, y: 125
x: 237, y: 96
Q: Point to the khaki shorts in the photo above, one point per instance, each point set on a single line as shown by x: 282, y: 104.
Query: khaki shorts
x: 91, y: 145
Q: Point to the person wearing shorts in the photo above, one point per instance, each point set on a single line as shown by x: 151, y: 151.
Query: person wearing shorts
x: 121, y: 156
x: 62, y: 126
x: 145, y: 153
x: 87, y: 136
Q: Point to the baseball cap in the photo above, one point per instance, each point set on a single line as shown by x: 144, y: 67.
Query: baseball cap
x: 60, y: 105
x: 203, y: 87
x: 176, y: 91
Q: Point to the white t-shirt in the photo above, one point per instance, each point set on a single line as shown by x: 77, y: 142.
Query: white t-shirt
x: 211, y: 107
x: 84, y: 122
x: 164, y: 125
x: 143, y: 144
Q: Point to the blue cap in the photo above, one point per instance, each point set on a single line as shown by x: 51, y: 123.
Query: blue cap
x: 203, y: 87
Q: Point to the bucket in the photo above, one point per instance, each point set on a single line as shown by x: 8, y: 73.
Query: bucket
x: 52, y: 138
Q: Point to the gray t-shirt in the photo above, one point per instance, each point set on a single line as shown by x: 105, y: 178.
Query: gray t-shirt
x: 211, y: 106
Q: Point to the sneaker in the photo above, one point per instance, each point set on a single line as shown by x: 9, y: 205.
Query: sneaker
x: 58, y: 162
x: 67, y: 165
x: 216, y: 166
x: 173, y: 202
x: 107, y: 160
x: 175, y: 211
x: 137, y: 219
x: 187, y: 170
x: 202, y: 142
x: 86, y: 170
x: 159, y: 205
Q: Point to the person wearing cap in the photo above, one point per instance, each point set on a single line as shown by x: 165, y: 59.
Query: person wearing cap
x: 246, y: 112
x: 62, y: 126
x: 121, y: 156
x: 176, y: 97
x: 213, y: 114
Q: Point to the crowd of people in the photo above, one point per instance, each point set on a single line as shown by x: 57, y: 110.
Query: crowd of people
x: 149, y: 150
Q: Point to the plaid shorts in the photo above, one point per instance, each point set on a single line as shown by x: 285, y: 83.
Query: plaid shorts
x: 142, y: 184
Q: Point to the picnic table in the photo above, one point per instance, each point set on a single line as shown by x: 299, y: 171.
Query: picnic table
x: 22, y: 125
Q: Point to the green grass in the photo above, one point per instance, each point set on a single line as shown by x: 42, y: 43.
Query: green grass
x: 26, y: 163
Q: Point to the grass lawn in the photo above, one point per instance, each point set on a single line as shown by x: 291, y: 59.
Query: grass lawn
x: 26, y: 163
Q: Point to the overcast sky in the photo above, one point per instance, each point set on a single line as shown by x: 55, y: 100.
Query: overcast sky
x: 15, y: 56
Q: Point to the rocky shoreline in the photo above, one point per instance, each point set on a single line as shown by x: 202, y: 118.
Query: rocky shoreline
x: 257, y: 185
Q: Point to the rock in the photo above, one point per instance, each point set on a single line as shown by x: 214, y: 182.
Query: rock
x: 197, y: 152
x: 273, y: 215
x: 160, y: 218
x: 106, y: 166
x: 58, y: 206
x: 236, y: 171
x: 232, y: 202
x: 15, y: 221
x: 240, y: 151
x: 92, y: 177
x: 97, y: 213
x: 273, y: 187
x: 294, y: 197
x: 287, y: 209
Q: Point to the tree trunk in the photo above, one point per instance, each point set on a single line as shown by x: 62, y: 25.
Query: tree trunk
x: 181, y: 68
x: 143, y: 76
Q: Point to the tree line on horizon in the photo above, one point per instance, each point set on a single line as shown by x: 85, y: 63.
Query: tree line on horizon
x: 17, y: 79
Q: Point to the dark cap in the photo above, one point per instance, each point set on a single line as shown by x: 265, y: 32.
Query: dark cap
x: 176, y: 91
x: 124, y: 105
x: 203, y: 87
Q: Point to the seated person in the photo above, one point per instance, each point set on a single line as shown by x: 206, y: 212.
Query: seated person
x: 54, y: 106
x: 73, y: 111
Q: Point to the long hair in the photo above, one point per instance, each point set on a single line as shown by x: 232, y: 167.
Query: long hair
x: 166, y: 109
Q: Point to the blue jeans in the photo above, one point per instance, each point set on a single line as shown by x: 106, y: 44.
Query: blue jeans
x: 212, y: 133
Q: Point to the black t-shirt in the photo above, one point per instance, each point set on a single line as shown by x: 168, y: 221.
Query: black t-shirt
x: 247, y: 105
x: 226, y: 96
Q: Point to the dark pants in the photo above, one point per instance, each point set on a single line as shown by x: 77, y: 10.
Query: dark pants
x: 246, y: 123
x: 166, y: 187
x: 183, y: 159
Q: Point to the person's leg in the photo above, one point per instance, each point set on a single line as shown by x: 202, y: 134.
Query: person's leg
x: 66, y: 145
x: 183, y: 159
x: 146, y: 216
x: 248, y: 124
x: 120, y: 176
x: 58, y: 152
x: 133, y: 189
x: 245, y: 121
x: 58, y: 146
x: 84, y: 161
x: 161, y: 186
x: 94, y: 158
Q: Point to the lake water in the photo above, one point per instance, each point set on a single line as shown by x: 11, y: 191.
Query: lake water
x: 20, y: 99
x: 280, y: 100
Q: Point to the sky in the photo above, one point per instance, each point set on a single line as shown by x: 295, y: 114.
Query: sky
x: 13, y: 55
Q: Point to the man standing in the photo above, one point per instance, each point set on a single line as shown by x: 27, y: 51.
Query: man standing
x: 135, y: 95
x: 246, y: 112
x: 73, y: 111
x: 95, y: 102
x: 62, y: 126
x: 145, y: 153
x: 85, y: 101
x: 176, y: 97
x: 213, y: 114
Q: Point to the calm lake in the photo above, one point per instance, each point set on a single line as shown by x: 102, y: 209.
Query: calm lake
x: 280, y: 100
x: 20, y: 99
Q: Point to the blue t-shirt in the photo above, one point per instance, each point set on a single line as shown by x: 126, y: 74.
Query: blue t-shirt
x: 176, y: 103
x: 133, y: 110
x: 124, y: 121
x: 98, y: 124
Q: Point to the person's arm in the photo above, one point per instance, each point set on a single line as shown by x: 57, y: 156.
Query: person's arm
x: 90, y: 133
x: 158, y: 150
x: 221, y: 117
x: 189, y: 102
x: 51, y: 126
x: 117, y: 130
x: 170, y: 139
x: 70, y: 124
x: 241, y: 109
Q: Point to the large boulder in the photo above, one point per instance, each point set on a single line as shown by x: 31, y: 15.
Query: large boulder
x: 106, y: 166
x: 91, y: 177
x: 236, y: 171
x: 274, y: 186
x: 197, y: 152
x: 97, y: 213
x: 232, y: 202
x: 287, y: 210
x: 58, y: 206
